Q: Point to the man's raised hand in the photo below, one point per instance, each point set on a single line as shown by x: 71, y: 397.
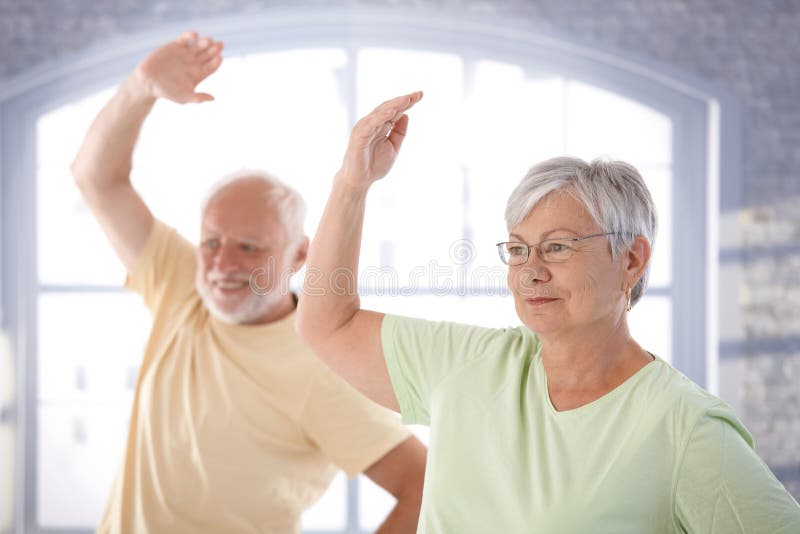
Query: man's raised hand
x: 174, y: 70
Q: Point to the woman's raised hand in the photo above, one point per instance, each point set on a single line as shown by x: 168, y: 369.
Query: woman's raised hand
x: 375, y: 142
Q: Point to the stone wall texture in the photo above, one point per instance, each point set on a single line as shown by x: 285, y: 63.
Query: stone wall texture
x: 752, y: 48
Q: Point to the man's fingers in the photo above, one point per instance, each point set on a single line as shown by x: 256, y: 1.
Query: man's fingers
x: 210, y: 66
x: 210, y: 52
x: 201, y: 97
x: 203, y: 43
x: 187, y: 37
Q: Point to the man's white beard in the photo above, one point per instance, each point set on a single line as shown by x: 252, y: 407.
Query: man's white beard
x: 250, y: 309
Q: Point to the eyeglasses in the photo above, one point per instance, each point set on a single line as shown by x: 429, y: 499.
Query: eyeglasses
x: 550, y: 250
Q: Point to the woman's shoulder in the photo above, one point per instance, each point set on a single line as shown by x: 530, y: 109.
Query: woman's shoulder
x: 682, y: 399
x: 466, y: 336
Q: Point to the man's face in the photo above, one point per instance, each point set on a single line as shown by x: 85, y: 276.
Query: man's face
x: 245, y: 258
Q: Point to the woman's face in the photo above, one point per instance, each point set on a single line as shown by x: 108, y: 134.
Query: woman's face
x: 585, y: 290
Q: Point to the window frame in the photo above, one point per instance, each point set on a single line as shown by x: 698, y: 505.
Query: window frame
x: 706, y: 137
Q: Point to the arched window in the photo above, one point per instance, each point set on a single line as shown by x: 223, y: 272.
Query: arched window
x: 497, y: 100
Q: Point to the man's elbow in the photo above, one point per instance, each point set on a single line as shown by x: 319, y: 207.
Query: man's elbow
x: 82, y: 177
x: 408, y: 493
x: 78, y: 175
x: 408, y: 511
x: 402, y: 471
x: 411, y: 494
x: 411, y: 491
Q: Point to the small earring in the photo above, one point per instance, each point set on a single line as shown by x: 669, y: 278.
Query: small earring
x: 628, y: 295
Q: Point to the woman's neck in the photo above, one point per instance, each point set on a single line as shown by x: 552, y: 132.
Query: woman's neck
x: 583, y: 366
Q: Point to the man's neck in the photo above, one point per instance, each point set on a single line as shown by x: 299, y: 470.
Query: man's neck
x: 279, y: 310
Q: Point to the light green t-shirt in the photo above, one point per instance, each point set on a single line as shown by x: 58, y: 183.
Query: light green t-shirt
x: 655, y: 455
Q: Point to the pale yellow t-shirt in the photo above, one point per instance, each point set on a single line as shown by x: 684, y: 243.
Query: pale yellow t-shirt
x: 234, y: 428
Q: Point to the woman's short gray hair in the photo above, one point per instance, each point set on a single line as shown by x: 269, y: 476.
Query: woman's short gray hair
x: 613, y: 193
x: 290, y: 205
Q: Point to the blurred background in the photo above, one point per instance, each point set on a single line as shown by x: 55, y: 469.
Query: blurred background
x: 701, y: 96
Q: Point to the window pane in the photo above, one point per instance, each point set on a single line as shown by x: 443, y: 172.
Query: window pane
x: 521, y: 123
x: 296, y: 129
x: 650, y: 323
x: 416, y: 212
x: 493, y: 312
x: 71, y: 247
x: 516, y: 116
x: 659, y: 182
x: 90, y: 345
x: 330, y: 511
x: 374, y: 504
x: 80, y: 450
x: 601, y: 123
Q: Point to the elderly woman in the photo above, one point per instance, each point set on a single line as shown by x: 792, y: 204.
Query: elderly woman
x: 565, y: 424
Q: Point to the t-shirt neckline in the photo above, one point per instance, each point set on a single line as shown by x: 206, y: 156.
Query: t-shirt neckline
x: 629, y: 383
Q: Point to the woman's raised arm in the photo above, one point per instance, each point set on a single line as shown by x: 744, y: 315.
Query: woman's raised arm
x: 329, y: 314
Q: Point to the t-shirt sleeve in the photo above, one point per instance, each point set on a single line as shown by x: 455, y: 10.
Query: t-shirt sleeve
x: 165, y: 269
x: 420, y: 354
x: 723, y: 487
x: 350, y: 429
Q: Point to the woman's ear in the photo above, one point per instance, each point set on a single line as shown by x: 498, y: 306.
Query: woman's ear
x: 636, y: 259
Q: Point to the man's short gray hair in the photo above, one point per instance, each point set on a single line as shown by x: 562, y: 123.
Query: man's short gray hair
x: 613, y: 192
x: 290, y: 205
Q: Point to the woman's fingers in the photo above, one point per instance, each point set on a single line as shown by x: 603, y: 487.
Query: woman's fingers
x: 395, y: 108
x: 382, y: 119
x: 398, y: 132
x: 403, y: 102
x: 392, y: 110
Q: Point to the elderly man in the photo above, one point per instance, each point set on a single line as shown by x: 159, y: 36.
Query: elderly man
x: 236, y: 426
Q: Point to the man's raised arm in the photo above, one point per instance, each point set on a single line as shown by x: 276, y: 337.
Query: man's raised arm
x: 102, y: 167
